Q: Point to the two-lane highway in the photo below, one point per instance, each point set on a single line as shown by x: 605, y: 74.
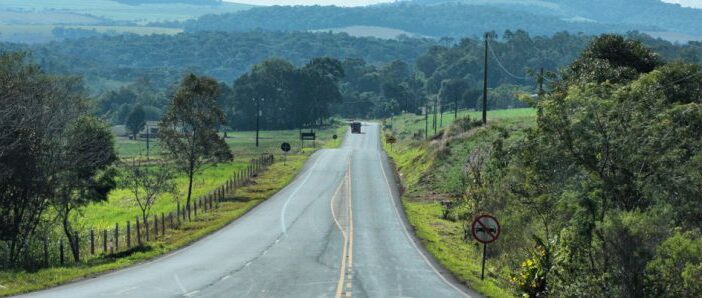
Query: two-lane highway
x: 335, y: 231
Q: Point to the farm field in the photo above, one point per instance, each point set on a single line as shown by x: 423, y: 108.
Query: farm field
x: 114, y: 10
x: 35, y: 33
x: 120, y: 207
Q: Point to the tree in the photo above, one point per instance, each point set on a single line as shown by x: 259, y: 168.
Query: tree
x: 135, y: 121
x: 86, y: 175
x: 189, y: 127
x: 36, y: 110
x: 147, y: 183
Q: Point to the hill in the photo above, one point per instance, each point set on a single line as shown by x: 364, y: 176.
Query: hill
x: 441, y: 18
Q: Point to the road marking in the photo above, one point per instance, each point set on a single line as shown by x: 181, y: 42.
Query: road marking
x: 285, y: 206
x: 347, y: 250
x: 182, y: 288
x: 247, y: 264
x: 126, y: 290
x: 191, y: 293
x: 404, y: 230
x: 226, y: 277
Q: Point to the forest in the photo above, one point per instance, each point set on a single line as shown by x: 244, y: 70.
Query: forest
x: 446, y: 19
x: 597, y: 186
x: 369, y: 88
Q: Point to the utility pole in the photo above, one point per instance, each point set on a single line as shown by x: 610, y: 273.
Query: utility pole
x: 258, y: 117
x: 434, y: 112
x: 426, y: 120
x: 455, y: 106
x: 485, y: 80
x: 147, y: 140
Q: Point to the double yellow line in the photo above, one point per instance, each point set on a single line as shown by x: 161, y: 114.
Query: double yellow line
x: 347, y: 233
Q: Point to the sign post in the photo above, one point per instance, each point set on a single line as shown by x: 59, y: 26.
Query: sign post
x: 308, y: 136
x: 485, y: 229
x: 286, y: 148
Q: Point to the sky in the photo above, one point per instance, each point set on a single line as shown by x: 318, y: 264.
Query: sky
x: 691, y: 3
x: 313, y: 2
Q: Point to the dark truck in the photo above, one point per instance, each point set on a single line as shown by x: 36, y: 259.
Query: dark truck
x: 356, y: 127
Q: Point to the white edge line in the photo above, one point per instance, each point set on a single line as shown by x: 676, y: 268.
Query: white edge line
x: 404, y: 229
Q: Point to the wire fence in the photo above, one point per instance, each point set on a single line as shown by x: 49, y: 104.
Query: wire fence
x: 51, y: 250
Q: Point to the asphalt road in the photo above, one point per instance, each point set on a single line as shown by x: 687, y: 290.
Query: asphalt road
x: 335, y: 231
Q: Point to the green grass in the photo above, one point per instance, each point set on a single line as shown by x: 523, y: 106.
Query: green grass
x: 428, y: 179
x: 243, y: 143
x: 267, y: 184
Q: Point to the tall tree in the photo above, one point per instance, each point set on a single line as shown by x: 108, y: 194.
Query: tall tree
x: 135, y: 121
x: 35, y: 111
x: 189, y: 127
x: 86, y: 175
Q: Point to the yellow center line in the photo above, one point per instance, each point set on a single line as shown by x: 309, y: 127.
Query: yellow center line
x: 347, y: 250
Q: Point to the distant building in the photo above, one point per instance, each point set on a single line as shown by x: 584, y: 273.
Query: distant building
x: 152, y: 127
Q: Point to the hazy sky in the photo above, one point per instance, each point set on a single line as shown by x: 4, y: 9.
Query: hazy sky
x: 312, y: 2
x: 693, y: 3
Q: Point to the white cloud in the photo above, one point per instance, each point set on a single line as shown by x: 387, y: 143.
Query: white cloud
x: 688, y: 3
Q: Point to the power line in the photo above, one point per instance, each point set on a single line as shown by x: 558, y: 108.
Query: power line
x: 494, y: 56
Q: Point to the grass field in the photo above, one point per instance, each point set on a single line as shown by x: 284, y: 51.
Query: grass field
x: 428, y: 179
x: 243, y: 143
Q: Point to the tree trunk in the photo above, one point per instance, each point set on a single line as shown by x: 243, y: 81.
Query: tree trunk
x: 191, y: 175
x: 69, y: 235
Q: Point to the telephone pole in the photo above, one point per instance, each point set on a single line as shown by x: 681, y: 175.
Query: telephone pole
x: 426, y: 120
x: 485, y: 80
x: 455, y: 106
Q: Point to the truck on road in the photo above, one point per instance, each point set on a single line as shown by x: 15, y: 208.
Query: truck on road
x: 356, y: 127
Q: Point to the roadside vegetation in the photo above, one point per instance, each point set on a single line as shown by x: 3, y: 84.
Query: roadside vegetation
x: 63, y: 177
x: 597, y: 190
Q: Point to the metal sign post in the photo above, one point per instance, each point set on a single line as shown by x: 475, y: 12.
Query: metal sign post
x: 485, y: 229
x: 286, y: 148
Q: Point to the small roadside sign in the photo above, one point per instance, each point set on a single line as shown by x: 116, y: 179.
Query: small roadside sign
x: 286, y: 148
x: 485, y: 229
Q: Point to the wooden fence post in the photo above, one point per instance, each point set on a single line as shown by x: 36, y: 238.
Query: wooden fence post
x: 177, y: 211
x: 163, y: 225
x: 138, y: 231
x: 92, y: 242
x: 155, y: 226
x: 195, y: 208
x: 129, y: 235
x: 104, y: 241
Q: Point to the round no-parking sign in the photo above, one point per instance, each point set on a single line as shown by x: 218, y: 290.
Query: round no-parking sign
x: 485, y: 228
